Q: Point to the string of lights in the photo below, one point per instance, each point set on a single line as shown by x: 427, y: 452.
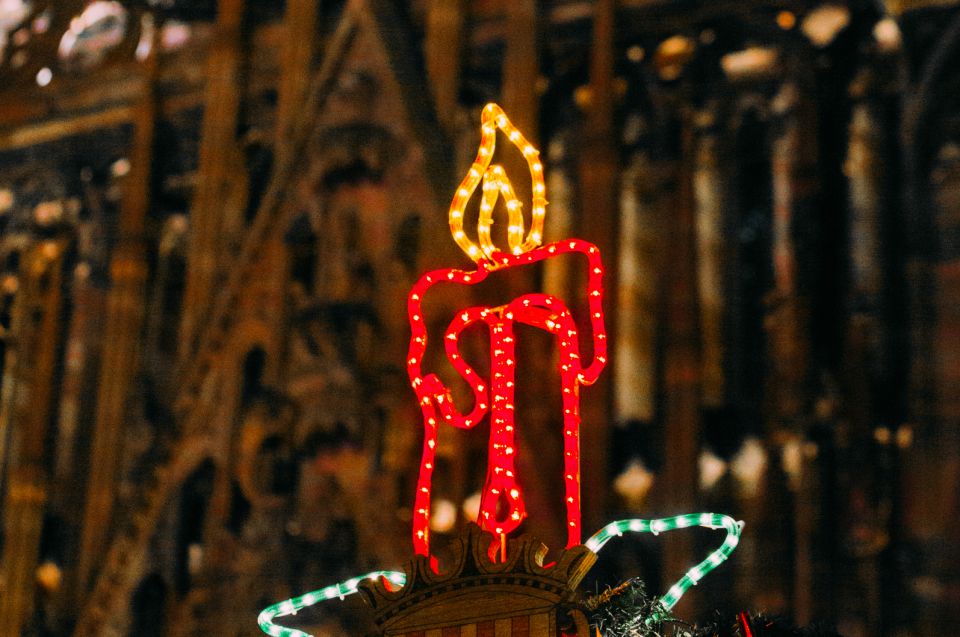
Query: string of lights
x: 662, y: 525
x: 336, y: 591
x: 596, y: 543
x: 496, y: 183
x: 496, y: 394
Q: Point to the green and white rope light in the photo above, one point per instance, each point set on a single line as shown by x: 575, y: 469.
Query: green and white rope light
x: 293, y: 606
x: 695, y: 574
x: 595, y: 543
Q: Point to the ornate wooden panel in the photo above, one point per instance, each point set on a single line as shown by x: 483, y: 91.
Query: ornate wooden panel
x: 472, y: 595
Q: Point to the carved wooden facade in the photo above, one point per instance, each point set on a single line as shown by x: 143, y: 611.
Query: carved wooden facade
x: 211, y: 211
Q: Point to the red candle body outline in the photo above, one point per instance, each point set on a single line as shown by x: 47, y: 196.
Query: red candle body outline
x: 496, y: 394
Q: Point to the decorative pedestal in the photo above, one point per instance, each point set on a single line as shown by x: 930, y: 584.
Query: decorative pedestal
x: 476, y: 597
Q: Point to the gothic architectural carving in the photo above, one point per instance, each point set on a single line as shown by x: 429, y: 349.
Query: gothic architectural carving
x: 211, y: 212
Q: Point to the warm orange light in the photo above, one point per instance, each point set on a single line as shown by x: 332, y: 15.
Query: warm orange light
x: 496, y: 184
x: 786, y: 20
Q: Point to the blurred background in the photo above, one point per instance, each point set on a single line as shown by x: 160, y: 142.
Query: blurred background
x: 212, y: 212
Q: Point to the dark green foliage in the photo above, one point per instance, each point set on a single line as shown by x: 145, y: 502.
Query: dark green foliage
x: 628, y: 610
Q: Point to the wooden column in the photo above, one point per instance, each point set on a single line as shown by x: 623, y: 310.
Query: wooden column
x: 787, y: 326
x: 221, y: 166
x: 681, y: 357
x: 709, y: 195
x: 79, y: 366
x: 11, y: 286
x: 120, y: 358
x: 537, y: 384
x: 159, y: 338
x: 935, y: 460
x: 864, y: 167
x: 786, y: 321
x: 874, y: 397
x: 300, y: 24
x: 931, y: 273
x: 599, y: 222
x: 76, y: 410
x: 644, y: 206
x: 443, y: 46
x: 30, y: 404
x: 521, y: 67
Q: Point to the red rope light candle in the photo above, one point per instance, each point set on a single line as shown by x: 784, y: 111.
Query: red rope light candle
x: 501, y: 505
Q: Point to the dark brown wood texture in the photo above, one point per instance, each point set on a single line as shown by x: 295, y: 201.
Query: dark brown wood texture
x: 241, y: 194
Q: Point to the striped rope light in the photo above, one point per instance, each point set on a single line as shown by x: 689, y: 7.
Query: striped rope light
x: 695, y: 574
x: 595, y: 544
x: 296, y: 604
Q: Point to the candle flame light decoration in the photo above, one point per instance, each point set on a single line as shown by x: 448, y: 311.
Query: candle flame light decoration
x: 502, y: 507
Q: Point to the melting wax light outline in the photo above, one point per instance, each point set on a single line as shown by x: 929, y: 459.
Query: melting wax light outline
x: 436, y: 404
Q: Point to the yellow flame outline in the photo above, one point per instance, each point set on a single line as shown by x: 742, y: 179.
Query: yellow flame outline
x: 497, y: 184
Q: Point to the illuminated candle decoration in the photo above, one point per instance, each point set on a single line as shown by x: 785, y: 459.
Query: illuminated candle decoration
x: 502, y: 506
x: 495, y: 395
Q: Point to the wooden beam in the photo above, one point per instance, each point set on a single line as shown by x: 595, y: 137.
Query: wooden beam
x: 300, y: 25
x: 126, y: 300
x: 30, y: 406
x: 220, y: 166
x: 599, y: 223
x: 682, y: 369
x: 445, y: 24
x: 54, y: 129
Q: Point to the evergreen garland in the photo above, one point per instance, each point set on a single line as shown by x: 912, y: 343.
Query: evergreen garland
x: 628, y: 610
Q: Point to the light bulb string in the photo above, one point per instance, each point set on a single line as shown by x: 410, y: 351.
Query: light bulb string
x: 336, y: 591
x: 495, y: 183
x: 662, y: 525
x: 596, y: 542
x: 493, y: 395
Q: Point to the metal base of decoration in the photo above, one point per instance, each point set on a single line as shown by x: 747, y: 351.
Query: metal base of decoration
x: 472, y: 595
